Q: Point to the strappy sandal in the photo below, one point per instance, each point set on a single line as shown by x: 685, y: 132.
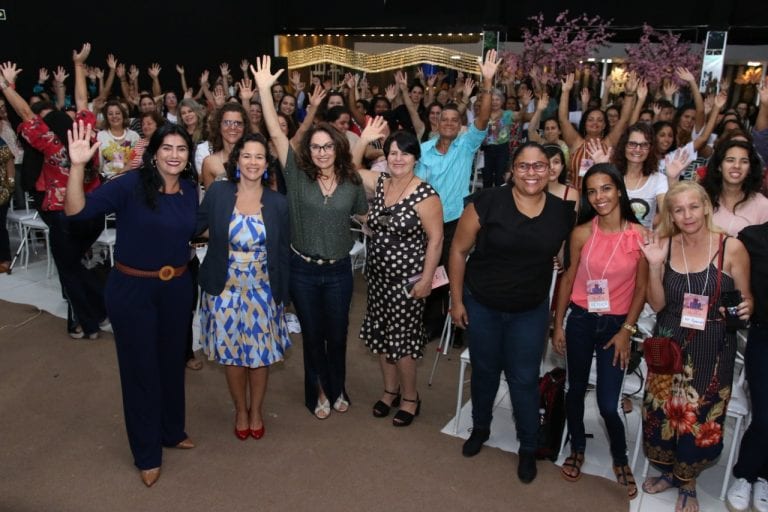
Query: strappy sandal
x: 381, y: 409
x: 405, y: 418
x: 341, y: 404
x: 685, y: 494
x: 625, y: 477
x: 574, y: 461
x: 323, y: 409
x: 649, y: 484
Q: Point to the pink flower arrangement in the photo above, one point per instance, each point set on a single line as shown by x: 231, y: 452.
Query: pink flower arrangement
x: 564, y: 47
x: 657, y: 54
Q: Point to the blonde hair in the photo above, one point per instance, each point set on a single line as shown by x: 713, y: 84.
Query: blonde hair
x: 667, y: 226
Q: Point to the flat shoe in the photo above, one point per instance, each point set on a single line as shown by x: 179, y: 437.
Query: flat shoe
x: 574, y: 462
x: 150, y: 476
x: 341, y: 405
x: 195, y: 364
x: 323, y: 409
x: 625, y: 477
x: 186, y: 444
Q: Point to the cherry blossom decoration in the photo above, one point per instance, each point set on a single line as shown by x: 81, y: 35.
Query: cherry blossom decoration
x: 657, y: 54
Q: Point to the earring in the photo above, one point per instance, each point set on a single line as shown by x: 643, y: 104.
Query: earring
x: 154, y: 162
x: 266, y: 175
x: 237, y: 172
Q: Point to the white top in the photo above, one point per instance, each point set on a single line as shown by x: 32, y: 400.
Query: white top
x: 643, y: 199
x: 116, y: 153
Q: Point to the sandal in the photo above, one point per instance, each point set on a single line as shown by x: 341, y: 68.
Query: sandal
x: 381, y: 409
x: 574, y: 461
x: 195, y: 364
x: 341, y: 404
x: 683, y: 495
x: 405, y: 418
x: 651, y: 485
x: 322, y: 409
x: 625, y: 477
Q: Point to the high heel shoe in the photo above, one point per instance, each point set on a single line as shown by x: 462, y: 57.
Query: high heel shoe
x: 381, y: 409
x: 150, y: 476
x: 258, y: 433
x: 405, y: 418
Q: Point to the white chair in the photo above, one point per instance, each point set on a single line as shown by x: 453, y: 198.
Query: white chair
x: 17, y: 215
x: 108, y: 238
x: 359, y: 250
x: 477, y: 172
x: 29, y: 228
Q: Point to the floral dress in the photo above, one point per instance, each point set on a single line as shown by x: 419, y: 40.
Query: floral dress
x: 683, y: 414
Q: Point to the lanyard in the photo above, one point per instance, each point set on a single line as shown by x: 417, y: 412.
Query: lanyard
x: 592, y: 243
x: 685, y: 262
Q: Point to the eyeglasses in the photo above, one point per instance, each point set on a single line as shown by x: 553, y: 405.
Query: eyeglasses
x: 325, y: 148
x: 645, y: 146
x: 230, y: 123
x: 538, y: 167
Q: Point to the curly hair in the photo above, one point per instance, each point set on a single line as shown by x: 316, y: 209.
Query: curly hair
x: 123, y: 111
x: 651, y: 163
x: 342, y: 163
x: 713, y: 180
x: 215, y: 138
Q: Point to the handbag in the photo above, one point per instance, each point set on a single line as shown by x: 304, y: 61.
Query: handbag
x: 663, y: 354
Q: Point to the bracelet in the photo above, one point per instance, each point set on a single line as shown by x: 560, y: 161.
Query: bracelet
x: 631, y: 328
x: 630, y: 94
x: 488, y: 90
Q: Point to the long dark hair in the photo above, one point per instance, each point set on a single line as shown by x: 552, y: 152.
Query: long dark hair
x: 651, y: 163
x: 713, y: 181
x: 234, y: 156
x: 151, y: 182
x: 216, y: 140
x: 342, y: 162
x: 583, y: 123
x: 553, y: 150
x: 587, y: 212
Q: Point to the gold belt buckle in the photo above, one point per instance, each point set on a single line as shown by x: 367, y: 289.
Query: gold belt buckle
x: 166, y: 273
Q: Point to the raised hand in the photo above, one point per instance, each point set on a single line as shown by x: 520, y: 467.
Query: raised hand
x: 401, y: 79
x: 154, y: 70
x: 431, y: 81
x: 656, y: 109
x: 90, y: 73
x: 543, y: 102
x: 642, y: 91
x: 632, y: 81
x: 180, y: 69
x: 81, y: 56
x: 349, y: 80
x: 490, y: 65
x: 469, y: 85
x: 244, y: 66
x: 720, y: 100
x: 120, y: 71
x: 375, y: 130
x: 9, y: 71
x: 709, y: 103
x: 42, y: 75
x: 317, y: 96
x: 246, y: 89
x: 224, y: 68
x: 204, y: 78
x: 597, y: 153
x: 685, y: 75
x: 111, y: 61
x: 189, y: 94
x: 669, y: 88
x: 525, y: 99
x: 80, y: 149
x: 261, y: 73
x: 676, y: 162
x: 219, y: 98
x: 391, y: 92
x: 60, y: 75
x: 98, y: 72
x: 763, y: 90
x: 654, y: 249
x: 133, y: 73
x: 585, y: 96
x: 567, y: 84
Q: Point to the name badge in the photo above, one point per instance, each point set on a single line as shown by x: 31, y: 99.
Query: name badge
x: 584, y: 166
x: 598, y: 300
x: 695, y: 308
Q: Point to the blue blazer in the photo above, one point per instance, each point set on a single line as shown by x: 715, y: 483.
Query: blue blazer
x: 215, y: 214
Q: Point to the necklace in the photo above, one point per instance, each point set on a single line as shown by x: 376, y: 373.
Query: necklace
x: 121, y: 137
x: 386, y: 216
x: 327, y: 192
x: 685, y: 262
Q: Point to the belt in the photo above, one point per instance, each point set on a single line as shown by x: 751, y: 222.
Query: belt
x: 165, y: 273
x: 310, y: 259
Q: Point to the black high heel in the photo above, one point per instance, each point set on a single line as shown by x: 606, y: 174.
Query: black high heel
x: 381, y: 410
x: 404, y: 418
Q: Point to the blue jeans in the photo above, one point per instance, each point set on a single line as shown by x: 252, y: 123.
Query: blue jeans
x: 753, y: 454
x: 321, y: 295
x: 585, y: 335
x: 513, y: 343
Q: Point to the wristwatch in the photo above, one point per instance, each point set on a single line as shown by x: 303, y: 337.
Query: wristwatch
x: 631, y: 328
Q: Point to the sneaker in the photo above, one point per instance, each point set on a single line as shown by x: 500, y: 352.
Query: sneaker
x: 760, y: 496
x: 526, y: 467
x: 105, y: 325
x: 77, y: 334
x: 474, y: 444
x: 739, y: 494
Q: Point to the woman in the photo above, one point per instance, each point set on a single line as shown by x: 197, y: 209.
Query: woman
x: 149, y: 292
x: 171, y: 107
x: 733, y: 181
x: 256, y: 118
x: 69, y: 239
x: 691, y: 262
x: 230, y: 124
x: 558, y: 173
x: 323, y: 192
x: 496, y: 144
x: 150, y: 122
x: 664, y: 141
x: 287, y: 106
x: 244, y: 279
x: 116, y: 141
x: 635, y: 157
x: 407, y: 224
x: 605, y: 258
x: 7, y: 182
x: 593, y: 127
x: 193, y: 119
x: 551, y: 133
x: 501, y: 294
x: 751, y: 470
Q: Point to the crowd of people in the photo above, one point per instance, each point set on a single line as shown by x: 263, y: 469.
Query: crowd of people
x: 629, y: 203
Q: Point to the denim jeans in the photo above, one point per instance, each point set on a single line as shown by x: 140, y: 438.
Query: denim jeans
x: 513, y: 343
x: 585, y: 335
x: 753, y: 454
x: 321, y: 295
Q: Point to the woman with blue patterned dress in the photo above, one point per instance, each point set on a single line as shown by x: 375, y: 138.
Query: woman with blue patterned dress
x: 244, y: 279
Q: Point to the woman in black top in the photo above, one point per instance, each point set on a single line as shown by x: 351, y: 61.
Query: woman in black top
x: 501, y: 294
